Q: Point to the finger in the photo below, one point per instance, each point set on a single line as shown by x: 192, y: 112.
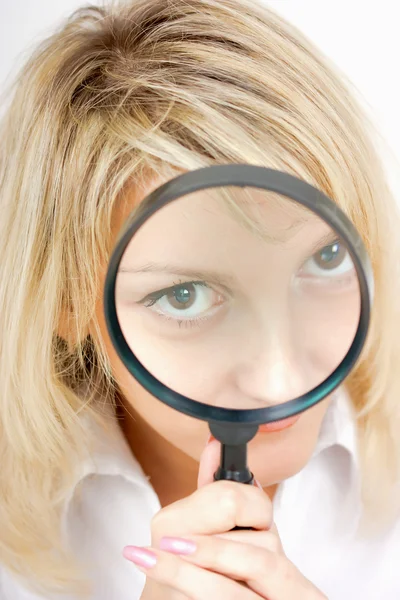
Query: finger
x: 236, y: 504
x: 265, y: 570
x: 245, y: 535
x: 189, y: 579
x: 195, y: 548
x: 264, y: 539
x: 209, y: 461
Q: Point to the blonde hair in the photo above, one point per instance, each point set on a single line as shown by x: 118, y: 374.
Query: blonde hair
x: 118, y: 93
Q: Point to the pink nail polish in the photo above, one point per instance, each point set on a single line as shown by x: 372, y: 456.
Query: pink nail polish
x: 140, y: 556
x: 177, y: 545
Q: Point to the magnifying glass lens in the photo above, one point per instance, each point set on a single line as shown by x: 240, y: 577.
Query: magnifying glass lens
x: 238, y: 297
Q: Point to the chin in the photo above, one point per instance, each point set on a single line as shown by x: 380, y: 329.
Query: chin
x: 269, y: 475
x: 273, y: 458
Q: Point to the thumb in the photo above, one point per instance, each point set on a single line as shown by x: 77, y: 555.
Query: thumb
x: 209, y: 462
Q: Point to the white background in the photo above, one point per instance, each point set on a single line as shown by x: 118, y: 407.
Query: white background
x: 362, y: 37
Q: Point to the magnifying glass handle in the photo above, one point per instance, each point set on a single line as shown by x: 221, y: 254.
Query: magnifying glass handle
x: 233, y: 464
x: 243, y: 475
x: 250, y: 482
x: 233, y: 460
x: 240, y: 476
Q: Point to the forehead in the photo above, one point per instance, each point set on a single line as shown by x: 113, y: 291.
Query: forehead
x: 265, y: 213
x: 230, y: 226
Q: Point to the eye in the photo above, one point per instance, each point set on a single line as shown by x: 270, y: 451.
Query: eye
x: 186, y: 301
x: 331, y: 261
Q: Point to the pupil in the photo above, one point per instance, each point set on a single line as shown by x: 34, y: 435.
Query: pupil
x: 182, y: 297
x: 331, y: 256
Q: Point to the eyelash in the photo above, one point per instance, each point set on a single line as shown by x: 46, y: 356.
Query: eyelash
x: 151, y: 299
x: 185, y: 323
x: 318, y: 250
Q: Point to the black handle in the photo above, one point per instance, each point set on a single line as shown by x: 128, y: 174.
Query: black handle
x: 233, y: 465
x: 244, y: 476
x: 233, y: 462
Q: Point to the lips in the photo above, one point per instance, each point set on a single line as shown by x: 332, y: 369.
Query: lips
x: 278, y: 425
x: 272, y: 427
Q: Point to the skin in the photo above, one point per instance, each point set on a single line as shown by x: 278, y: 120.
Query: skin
x: 174, y: 449
x: 193, y: 557
x: 168, y: 444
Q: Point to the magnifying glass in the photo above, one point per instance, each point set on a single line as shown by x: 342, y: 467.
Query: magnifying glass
x: 241, y: 296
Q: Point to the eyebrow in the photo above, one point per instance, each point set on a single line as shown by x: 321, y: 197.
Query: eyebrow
x: 212, y: 276
x: 167, y: 269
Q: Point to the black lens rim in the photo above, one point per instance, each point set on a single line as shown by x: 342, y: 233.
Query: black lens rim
x: 241, y: 175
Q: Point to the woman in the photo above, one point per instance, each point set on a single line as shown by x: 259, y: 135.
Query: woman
x: 116, y: 102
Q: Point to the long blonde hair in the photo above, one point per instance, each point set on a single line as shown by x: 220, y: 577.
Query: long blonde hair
x: 153, y: 86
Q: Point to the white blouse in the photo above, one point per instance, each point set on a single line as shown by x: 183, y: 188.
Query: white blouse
x: 316, y: 513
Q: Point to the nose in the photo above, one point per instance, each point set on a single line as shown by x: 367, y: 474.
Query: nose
x: 274, y: 366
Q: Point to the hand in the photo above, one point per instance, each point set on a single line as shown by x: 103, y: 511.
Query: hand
x: 195, y: 555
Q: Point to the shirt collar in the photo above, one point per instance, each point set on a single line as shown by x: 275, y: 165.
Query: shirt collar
x: 337, y: 448
x: 110, y: 454
x: 339, y: 426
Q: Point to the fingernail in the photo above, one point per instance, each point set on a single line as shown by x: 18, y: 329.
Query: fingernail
x: 177, y: 545
x: 258, y: 484
x: 140, y: 556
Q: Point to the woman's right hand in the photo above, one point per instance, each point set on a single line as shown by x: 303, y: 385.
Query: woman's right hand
x: 213, y: 509
x: 195, y: 555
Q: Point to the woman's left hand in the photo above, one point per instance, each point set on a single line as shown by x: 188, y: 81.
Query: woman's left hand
x: 255, y: 558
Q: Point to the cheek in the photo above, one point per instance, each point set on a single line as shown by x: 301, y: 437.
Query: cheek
x: 185, y: 433
x: 272, y: 457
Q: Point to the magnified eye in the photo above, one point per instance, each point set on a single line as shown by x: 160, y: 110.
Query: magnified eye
x: 331, y: 261
x: 186, y: 301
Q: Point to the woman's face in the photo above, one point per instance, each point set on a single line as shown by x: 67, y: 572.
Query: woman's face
x: 236, y: 310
